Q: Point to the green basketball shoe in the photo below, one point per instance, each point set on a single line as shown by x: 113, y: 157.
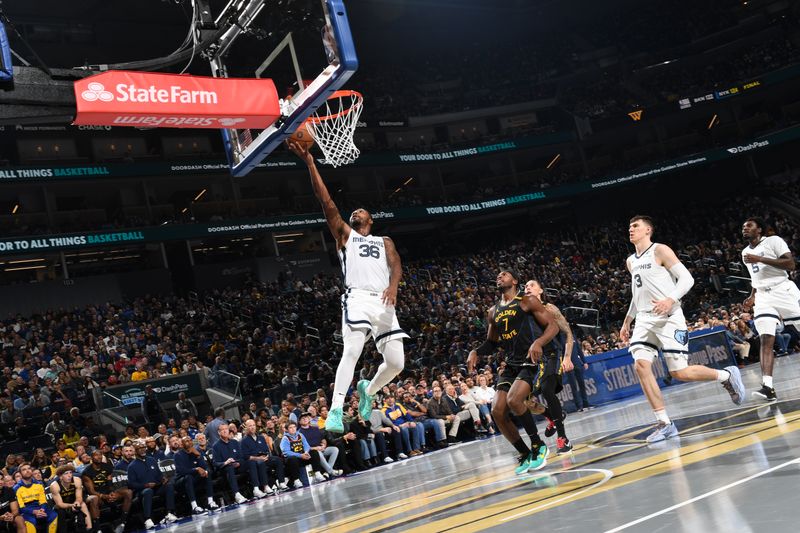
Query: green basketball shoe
x: 334, y: 421
x: 364, y: 399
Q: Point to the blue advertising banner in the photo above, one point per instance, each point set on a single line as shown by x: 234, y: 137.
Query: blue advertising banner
x: 611, y: 375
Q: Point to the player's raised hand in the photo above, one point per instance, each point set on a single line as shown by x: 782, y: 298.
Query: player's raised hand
x: 389, y: 296
x: 662, y: 307
x: 301, y: 151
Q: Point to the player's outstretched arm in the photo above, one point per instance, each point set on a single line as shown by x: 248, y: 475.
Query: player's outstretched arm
x: 489, y: 345
x: 543, y: 317
x: 339, y: 228
x: 395, y: 272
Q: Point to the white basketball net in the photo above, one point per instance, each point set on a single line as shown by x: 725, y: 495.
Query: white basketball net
x: 333, y: 126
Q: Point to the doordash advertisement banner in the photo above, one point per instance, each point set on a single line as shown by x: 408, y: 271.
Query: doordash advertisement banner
x: 151, y: 100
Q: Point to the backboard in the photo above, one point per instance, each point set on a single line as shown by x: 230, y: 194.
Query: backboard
x: 306, y: 48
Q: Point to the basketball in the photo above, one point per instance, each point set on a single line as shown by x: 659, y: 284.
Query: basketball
x: 303, y: 136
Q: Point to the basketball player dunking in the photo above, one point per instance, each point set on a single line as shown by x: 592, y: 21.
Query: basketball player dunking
x: 658, y: 282
x: 372, y: 271
x: 525, y: 330
x: 776, y: 297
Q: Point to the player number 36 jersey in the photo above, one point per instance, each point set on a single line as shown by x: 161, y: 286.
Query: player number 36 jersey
x: 649, y: 280
x: 364, y: 263
x: 761, y: 275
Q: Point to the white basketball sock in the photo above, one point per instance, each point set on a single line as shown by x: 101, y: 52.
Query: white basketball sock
x: 661, y: 416
x: 723, y: 375
x: 767, y: 381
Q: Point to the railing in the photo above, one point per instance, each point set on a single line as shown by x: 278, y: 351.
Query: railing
x: 118, y: 415
x: 738, y: 284
x: 583, y: 317
x: 228, y: 383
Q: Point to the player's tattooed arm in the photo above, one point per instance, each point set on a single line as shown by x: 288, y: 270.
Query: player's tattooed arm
x: 563, y: 326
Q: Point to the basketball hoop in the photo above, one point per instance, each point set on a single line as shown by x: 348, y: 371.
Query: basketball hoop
x: 333, y: 126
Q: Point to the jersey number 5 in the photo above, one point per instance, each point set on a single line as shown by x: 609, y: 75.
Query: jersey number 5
x: 368, y: 250
x: 755, y: 268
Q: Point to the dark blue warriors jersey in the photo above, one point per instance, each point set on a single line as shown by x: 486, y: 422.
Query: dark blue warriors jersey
x: 516, y: 331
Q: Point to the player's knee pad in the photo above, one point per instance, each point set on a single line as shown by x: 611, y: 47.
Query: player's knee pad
x: 393, y: 355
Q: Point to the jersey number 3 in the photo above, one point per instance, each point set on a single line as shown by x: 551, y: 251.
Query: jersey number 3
x: 368, y: 250
x: 638, y: 279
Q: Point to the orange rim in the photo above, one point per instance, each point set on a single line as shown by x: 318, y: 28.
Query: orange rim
x: 338, y: 94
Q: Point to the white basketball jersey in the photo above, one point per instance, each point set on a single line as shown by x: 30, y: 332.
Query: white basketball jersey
x: 649, y: 280
x: 364, y: 263
x: 761, y: 275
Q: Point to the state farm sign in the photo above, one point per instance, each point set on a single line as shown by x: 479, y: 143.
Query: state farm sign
x: 144, y: 99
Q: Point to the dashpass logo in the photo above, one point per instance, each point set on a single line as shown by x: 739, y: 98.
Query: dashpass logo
x: 96, y: 91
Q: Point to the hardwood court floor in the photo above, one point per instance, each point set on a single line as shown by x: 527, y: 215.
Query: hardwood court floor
x: 733, y: 469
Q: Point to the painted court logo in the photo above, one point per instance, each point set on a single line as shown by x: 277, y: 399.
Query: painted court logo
x: 96, y: 91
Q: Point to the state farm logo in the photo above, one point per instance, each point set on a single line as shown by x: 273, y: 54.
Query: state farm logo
x: 96, y: 91
x: 174, y: 121
x: 128, y: 92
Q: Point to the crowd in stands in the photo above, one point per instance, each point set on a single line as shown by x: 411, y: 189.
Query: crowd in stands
x: 55, y: 362
x: 566, y: 65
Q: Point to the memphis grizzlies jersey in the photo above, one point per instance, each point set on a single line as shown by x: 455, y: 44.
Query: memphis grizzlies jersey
x: 364, y: 264
x: 761, y: 275
x: 649, y: 280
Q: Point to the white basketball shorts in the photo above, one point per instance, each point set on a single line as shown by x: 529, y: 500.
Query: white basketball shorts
x: 365, y: 310
x: 666, y: 333
x: 774, y: 304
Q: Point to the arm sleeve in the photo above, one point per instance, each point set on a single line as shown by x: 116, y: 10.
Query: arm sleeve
x: 683, y: 282
x: 632, y: 309
x: 487, y: 348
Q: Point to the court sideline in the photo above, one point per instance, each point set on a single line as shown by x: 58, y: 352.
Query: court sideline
x: 733, y: 469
